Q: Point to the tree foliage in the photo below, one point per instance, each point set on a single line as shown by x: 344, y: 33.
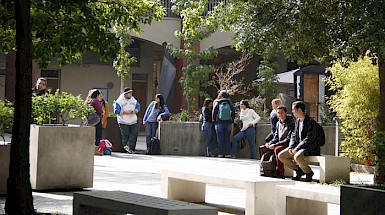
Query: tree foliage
x: 266, y: 73
x: 68, y: 29
x: 195, y: 27
x: 356, y: 102
x: 6, y: 115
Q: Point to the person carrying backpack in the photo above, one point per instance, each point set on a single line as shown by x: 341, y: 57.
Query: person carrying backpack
x: 223, y: 118
x: 305, y: 141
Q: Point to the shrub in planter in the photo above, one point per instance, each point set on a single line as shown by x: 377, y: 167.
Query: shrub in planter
x: 59, y: 108
x: 6, y: 115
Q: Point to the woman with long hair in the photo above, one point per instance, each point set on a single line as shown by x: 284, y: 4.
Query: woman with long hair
x: 154, y: 113
x: 105, y: 107
x: 249, y: 119
x: 208, y: 126
x: 93, y: 99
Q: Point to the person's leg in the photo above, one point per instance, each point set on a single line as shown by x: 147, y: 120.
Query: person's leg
x: 299, y: 157
x: 237, y: 137
x: 98, y: 133
x: 208, y: 130
x: 250, y: 133
x: 287, y: 159
x: 281, y: 167
x: 213, y: 140
x: 148, y: 134
x: 228, y: 129
x: 154, y: 126
x: 221, y: 138
x: 133, y: 136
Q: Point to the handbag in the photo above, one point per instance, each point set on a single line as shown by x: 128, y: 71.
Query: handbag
x: 91, y: 120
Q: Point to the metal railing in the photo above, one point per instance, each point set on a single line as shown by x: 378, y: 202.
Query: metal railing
x: 167, y: 5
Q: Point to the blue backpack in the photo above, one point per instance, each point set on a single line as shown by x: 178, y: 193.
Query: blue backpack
x: 224, y: 112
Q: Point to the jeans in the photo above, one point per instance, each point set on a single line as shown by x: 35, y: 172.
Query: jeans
x: 129, y: 135
x: 209, y: 135
x: 224, y: 132
x: 250, y: 134
x: 150, y: 132
x: 98, y: 133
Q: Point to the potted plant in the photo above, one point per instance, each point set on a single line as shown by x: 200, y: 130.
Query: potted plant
x: 6, y: 119
x: 61, y: 155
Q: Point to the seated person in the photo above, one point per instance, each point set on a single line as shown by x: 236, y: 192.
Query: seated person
x: 303, y: 142
x: 282, y: 135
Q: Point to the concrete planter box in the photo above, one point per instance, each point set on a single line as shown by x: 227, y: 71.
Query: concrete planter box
x: 61, y: 157
x: 363, y: 199
x: 181, y: 138
x: 5, y: 151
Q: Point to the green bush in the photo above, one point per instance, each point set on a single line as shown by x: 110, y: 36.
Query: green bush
x: 6, y: 116
x: 356, y: 102
x: 59, y: 107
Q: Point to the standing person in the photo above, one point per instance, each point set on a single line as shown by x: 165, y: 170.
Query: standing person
x: 303, y: 142
x: 249, y: 119
x: 273, y: 119
x: 94, y: 99
x: 126, y: 107
x: 223, y: 118
x: 155, y: 110
x: 105, y: 115
x: 40, y: 87
x: 207, y: 126
x: 285, y: 127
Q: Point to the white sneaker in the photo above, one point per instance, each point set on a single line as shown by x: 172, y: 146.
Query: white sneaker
x: 126, y: 148
x: 227, y: 156
x: 220, y: 156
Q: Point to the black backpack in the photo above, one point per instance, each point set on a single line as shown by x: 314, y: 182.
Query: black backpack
x: 154, y: 147
x: 268, y: 164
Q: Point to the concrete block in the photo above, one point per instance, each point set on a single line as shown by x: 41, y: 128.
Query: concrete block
x: 181, y: 138
x: 5, y: 151
x: 61, y: 157
x: 304, y: 198
x: 332, y: 167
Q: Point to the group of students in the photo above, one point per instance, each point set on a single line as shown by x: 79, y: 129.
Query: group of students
x: 291, y: 139
x: 126, y: 108
x: 218, y: 119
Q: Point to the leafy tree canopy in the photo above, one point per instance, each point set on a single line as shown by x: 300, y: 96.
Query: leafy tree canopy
x: 68, y: 29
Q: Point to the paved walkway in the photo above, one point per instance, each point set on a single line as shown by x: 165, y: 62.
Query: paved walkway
x: 141, y: 174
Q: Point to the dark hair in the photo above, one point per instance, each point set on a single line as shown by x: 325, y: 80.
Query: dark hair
x: 282, y: 107
x: 224, y: 94
x: 299, y: 105
x: 246, y: 103
x: 161, y: 100
x: 95, y: 94
x: 92, y: 94
x: 207, y: 102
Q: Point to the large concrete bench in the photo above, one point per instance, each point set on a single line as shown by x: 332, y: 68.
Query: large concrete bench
x: 305, y: 198
x: 332, y: 167
x: 118, y: 202
x: 190, y: 186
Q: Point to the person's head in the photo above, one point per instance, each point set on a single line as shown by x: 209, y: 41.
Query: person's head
x: 244, y: 104
x: 223, y: 94
x: 93, y: 94
x: 159, y: 100
x: 208, y: 103
x: 275, y: 103
x: 281, y: 112
x: 127, y: 92
x: 41, y: 84
x: 298, y: 108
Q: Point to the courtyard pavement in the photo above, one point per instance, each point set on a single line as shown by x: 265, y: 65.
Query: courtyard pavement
x: 140, y: 173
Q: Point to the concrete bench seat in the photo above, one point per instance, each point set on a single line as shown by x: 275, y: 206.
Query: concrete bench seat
x: 332, y: 167
x: 118, y: 202
x: 189, y: 185
x: 305, y: 198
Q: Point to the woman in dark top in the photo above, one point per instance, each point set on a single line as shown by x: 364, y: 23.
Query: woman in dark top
x: 208, y: 126
x: 93, y: 99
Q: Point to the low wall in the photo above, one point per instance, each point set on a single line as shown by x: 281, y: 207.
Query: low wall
x: 61, y: 157
x: 5, y: 151
x: 187, y: 138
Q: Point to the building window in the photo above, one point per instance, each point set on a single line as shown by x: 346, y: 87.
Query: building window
x: 53, y: 78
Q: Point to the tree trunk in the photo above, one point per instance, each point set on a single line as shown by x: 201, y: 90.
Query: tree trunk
x: 379, y: 172
x: 19, y: 193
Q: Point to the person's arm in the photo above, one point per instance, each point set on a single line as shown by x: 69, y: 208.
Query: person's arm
x: 147, y: 113
x: 166, y: 111
x: 255, y: 116
x: 294, y: 136
x: 98, y: 107
x: 232, y: 112
x: 310, y: 136
x: 289, y: 130
x: 105, y: 115
x: 137, y: 107
x: 215, y: 112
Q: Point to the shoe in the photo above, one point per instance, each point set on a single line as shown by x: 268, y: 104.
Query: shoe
x: 126, y: 148
x: 299, y: 174
x: 130, y: 151
x: 227, y: 156
x: 232, y: 156
x: 278, y: 175
x: 309, y: 176
x: 220, y: 156
x: 208, y: 154
x: 97, y: 151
